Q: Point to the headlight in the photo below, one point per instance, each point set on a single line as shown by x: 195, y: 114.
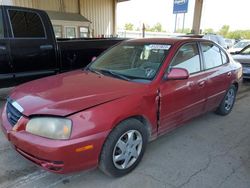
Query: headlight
x: 50, y: 127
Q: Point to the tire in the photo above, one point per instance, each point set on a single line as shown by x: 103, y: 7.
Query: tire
x: 120, y: 155
x: 227, y: 102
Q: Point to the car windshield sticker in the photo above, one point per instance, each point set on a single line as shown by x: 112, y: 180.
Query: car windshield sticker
x: 159, y: 46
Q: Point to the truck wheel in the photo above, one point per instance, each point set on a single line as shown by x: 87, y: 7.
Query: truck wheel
x: 227, y: 102
x: 124, y: 148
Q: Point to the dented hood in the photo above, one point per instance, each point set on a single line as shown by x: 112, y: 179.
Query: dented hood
x: 71, y: 92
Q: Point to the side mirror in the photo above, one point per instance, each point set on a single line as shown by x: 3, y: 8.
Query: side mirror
x: 93, y: 59
x: 177, y: 74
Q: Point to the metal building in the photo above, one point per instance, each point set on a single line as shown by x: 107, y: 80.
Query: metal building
x: 101, y: 13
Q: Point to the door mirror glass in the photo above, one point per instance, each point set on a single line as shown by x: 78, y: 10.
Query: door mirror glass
x: 177, y: 74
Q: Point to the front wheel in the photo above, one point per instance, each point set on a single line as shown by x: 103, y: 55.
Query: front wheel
x: 227, y: 103
x: 124, y: 148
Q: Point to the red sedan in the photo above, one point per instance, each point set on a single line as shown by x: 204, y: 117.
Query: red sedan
x: 105, y: 114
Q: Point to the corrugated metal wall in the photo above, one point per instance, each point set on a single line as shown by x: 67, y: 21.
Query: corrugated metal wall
x: 56, y: 5
x: 100, y: 12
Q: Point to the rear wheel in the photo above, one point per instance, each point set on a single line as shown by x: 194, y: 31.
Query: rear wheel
x: 124, y: 148
x: 227, y: 103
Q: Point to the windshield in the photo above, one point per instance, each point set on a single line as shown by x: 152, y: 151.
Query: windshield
x: 246, y: 51
x: 241, y: 44
x: 132, y: 61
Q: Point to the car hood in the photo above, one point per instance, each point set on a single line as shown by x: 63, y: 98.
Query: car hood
x: 68, y: 93
x: 232, y: 50
x: 242, y: 58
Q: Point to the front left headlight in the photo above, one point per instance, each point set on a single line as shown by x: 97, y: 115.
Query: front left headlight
x: 50, y: 127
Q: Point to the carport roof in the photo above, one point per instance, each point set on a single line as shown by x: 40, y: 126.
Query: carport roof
x: 54, y: 15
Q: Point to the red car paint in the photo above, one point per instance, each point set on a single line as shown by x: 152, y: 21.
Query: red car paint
x: 96, y: 104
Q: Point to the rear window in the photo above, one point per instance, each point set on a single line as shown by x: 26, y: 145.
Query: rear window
x: 26, y: 24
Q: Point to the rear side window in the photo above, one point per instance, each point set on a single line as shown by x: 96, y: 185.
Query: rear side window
x: 188, y: 58
x: 26, y: 24
x: 212, y: 55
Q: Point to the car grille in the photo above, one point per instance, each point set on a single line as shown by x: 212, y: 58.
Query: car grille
x: 245, y: 64
x: 13, y: 114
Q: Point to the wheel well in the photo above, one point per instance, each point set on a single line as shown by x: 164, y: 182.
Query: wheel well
x: 145, y: 122
x: 236, y: 85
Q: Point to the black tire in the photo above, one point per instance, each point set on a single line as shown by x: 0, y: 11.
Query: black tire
x: 111, y: 148
x: 227, y: 102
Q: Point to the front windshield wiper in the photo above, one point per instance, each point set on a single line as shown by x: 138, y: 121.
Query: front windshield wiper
x: 94, y: 71
x: 112, y: 73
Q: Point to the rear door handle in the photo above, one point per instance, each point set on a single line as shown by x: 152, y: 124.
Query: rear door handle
x: 46, y: 47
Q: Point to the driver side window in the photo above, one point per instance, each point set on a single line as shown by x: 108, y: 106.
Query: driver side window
x: 188, y: 58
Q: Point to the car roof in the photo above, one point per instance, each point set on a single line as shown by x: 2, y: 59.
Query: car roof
x: 170, y: 40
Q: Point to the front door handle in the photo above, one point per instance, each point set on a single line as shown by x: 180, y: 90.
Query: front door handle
x: 46, y: 47
x: 229, y: 74
x: 201, y: 84
x: 2, y: 47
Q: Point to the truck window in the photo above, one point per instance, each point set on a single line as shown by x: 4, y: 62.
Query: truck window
x: 1, y: 25
x: 26, y: 24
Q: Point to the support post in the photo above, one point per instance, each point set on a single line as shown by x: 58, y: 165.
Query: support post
x: 197, y: 16
x: 183, y: 24
x: 175, y: 25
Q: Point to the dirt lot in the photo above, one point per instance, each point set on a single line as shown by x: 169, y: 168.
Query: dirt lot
x: 210, y: 151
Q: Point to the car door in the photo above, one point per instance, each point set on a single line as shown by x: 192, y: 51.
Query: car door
x: 217, y: 72
x: 6, y: 71
x: 183, y: 99
x: 31, y: 43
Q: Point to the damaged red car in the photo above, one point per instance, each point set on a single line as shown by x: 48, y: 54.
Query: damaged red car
x: 105, y: 114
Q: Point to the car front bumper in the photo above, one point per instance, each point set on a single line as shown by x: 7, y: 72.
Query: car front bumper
x: 246, y: 72
x: 59, y: 156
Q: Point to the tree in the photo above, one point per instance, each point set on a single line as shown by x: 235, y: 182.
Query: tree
x: 208, y: 30
x: 224, y: 30
x: 157, y: 27
x: 185, y: 30
x: 129, y: 27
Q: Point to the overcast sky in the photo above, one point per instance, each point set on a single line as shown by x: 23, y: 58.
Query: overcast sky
x: 216, y: 13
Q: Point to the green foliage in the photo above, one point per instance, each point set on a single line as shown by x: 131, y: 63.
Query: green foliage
x: 129, y: 27
x: 208, y: 30
x: 239, y: 34
x: 225, y: 32
x: 156, y: 28
x: 185, y: 30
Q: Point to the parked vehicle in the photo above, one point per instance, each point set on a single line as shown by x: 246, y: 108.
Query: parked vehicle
x: 209, y: 36
x: 217, y: 39
x: 239, y: 46
x: 105, y: 114
x: 29, y: 50
x: 243, y: 57
x: 229, y: 42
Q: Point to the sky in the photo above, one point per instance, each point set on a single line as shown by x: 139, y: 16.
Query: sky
x: 216, y: 13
